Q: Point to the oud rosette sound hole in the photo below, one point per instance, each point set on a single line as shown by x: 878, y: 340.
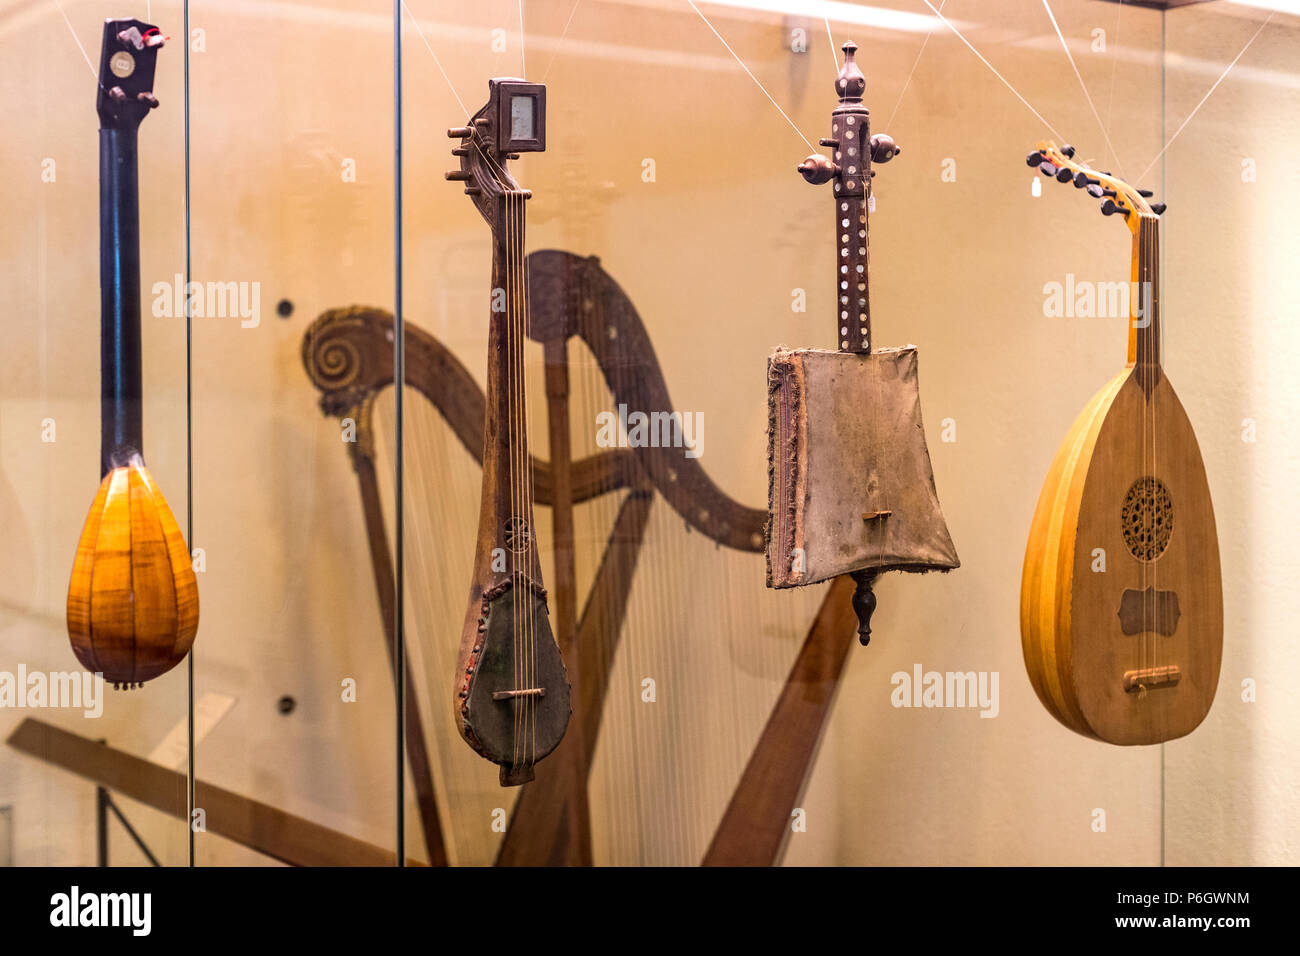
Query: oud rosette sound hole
x: 1147, y: 518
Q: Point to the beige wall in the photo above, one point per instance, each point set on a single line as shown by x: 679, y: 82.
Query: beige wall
x: 710, y: 253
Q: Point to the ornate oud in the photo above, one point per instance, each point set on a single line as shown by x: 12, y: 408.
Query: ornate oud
x: 1129, y: 654
x: 512, y: 689
x: 133, y: 601
x: 851, y: 489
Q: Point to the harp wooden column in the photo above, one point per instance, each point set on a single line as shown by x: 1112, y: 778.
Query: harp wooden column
x: 534, y: 834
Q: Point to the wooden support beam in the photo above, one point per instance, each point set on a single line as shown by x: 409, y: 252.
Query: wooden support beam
x: 251, y: 823
x: 757, y: 821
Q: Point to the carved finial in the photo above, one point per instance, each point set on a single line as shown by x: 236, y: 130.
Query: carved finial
x: 850, y: 84
x: 864, y: 603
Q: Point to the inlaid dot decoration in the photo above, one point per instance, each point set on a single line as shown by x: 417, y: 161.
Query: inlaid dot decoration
x: 1147, y: 518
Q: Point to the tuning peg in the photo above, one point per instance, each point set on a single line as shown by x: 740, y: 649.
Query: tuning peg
x: 1046, y: 168
x: 460, y: 132
x: 472, y: 190
x: 460, y: 151
x: 457, y: 175
x: 1145, y: 193
x: 148, y: 98
x: 1082, y: 179
x: 131, y: 37
x: 817, y: 169
x: 1159, y: 208
x: 1109, y: 208
x: 827, y: 141
x: 883, y: 148
x: 1063, y: 175
x: 1067, y: 151
x: 1095, y: 190
x: 117, y: 95
x: 1034, y: 158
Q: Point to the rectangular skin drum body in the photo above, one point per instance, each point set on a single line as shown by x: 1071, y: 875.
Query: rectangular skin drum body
x: 850, y: 485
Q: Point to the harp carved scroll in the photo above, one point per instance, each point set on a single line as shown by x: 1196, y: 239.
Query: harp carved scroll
x: 347, y: 353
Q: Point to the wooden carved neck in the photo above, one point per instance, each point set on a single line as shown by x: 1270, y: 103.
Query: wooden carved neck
x: 848, y: 169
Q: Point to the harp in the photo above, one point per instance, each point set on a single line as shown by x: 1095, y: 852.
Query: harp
x: 609, y: 543
x: 850, y: 486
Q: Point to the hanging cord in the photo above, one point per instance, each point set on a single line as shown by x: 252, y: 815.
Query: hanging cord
x: 756, y: 80
x: 1215, y: 86
x: 1083, y: 86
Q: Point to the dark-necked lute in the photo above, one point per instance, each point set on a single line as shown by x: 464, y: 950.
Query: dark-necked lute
x: 512, y: 691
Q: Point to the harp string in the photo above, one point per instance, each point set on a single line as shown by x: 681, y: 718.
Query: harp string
x: 699, y: 620
x: 439, y: 540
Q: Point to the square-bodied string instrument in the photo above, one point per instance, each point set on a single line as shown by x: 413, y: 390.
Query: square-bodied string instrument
x: 850, y: 486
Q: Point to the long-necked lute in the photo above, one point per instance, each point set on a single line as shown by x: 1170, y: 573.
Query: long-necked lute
x: 850, y: 485
x: 512, y: 691
x: 1121, y: 603
x: 133, y: 600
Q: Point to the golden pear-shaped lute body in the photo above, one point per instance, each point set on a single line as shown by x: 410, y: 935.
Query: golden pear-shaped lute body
x: 133, y: 603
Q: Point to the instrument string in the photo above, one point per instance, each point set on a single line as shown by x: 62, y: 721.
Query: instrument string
x: 517, y: 443
x: 1147, y: 226
x: 525, y: 514
x: 1144, y: 267
x: 507, y: 543
x: 507, y: 540
x: 525, y: 329
x: 1157, y: 332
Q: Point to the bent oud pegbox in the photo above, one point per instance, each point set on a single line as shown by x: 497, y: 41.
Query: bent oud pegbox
x: 851, y: 489
x: 1128, y: 650
x: 133, y: 601
x: 512, y: 691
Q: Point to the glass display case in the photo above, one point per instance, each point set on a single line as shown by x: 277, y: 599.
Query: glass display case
x: 314, y: 169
